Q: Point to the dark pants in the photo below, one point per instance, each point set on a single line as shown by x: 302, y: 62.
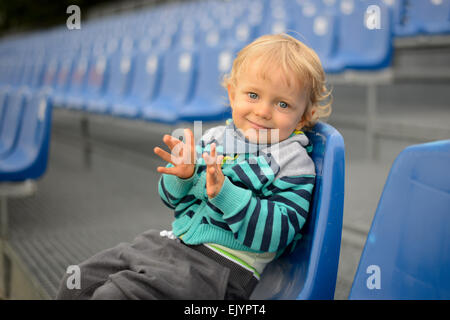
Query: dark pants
x: 155, y: 267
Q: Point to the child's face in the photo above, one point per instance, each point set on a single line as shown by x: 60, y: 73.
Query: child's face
x: 261, y: 105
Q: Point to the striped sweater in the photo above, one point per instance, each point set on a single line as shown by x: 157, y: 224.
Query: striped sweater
x: 264, y: 200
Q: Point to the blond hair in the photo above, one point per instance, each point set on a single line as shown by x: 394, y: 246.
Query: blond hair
x: 293, y: 57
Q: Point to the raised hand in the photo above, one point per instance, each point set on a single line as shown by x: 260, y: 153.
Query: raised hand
x: 182, y: 155
x: 214, y: 174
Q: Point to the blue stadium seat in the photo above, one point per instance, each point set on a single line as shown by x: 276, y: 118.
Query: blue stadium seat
x: 398, y: 8
x: 94, y: 89
x: 310, y: 270
x: 25, y: 76
x: 318, y: 31
x: 40, y: 65
x: 274, y: 26
x: 76, y: 84
x: 365, y: 36
x: 50, y: 72
x: 210, y: 98
x: 145, y: 81
x: 176, y: 88
x: 63, y: 78
x: 117, y: 84
x: 11, y: 122
x: 28, y: 160
x: 407, y: 251
x: 4, y: 93
x: 243, y: 33
x: 425, y: 17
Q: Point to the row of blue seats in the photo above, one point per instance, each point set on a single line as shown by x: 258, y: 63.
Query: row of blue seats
x: 166, y: 79
x: 25, y: 121
x: 325, y: 30
x: 184, y: 83
x: 421, y: 17
x: 180, y: 85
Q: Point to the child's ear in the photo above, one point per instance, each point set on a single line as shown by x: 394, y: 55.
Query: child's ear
x: 231, y: 93
x: 307, y: 116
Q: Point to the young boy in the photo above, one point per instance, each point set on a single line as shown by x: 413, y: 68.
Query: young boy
x: 240, y: 197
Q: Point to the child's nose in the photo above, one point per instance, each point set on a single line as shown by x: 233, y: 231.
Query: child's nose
x: 263, y: 110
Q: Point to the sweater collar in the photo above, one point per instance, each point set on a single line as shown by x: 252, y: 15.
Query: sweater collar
x: 236, y: 143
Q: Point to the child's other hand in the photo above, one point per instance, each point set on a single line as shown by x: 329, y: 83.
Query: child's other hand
x: 182, y: 155
x: 214, y: 175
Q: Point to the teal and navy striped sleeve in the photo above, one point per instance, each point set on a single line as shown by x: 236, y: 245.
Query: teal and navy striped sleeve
x: 173, y: 189
x: 266, y: 223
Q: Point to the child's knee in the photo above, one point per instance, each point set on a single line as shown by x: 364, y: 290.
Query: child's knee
x: 108, y: 291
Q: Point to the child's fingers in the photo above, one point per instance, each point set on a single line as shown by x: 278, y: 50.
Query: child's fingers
x: 219, y: 162
x: 212, y: 176
x: 163, y: 155
x: 170, y: 141
x: 207, y: 159
x: 213, y: 150
x: 190, y: 140
x: 172, y: 170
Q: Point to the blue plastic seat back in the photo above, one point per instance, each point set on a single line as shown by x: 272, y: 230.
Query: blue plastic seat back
x: 407, y: 251
x: 244, y: 33
x: 119, y: 75
x: 16, y: 74
x: 50, y: 72
x: 78, y: 76
x: 26, y: 76
x: 96, y: 75
x: 365, y: 34
x: 214, y: 63
x: 210, y: 98
x: 146, y: 76
x: 211, y: 37
x: 36, y: 115
x: 318, y: 31
x: 4, y: 93
x: 179, y: 71
x: 11, y: 122
x: 310, y: 270
x: 64, y: 73
x: 37, y: 75
x: 275, y: 26
x: 426, y: 17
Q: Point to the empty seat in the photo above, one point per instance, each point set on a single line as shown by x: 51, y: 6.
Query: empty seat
x: 13, y: 113
x: 76, y: 83
x: 50, y: 72
x: 406, y: 255
x: 96, y: 83
x: 144, y: 82
x: 318, y: 31
x: 365, y: 35
x: 28, y: 159
x: 210, y: 98
x: 119, y: 75
x: 425, y: 17
x: 176, y: 88
x: 63, y: 79
x: 4, y: 93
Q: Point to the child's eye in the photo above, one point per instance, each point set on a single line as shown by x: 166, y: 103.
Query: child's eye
x: 283, y: 105
x: 252, y: 95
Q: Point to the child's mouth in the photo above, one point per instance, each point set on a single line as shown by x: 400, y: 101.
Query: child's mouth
x: 256, y: 126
